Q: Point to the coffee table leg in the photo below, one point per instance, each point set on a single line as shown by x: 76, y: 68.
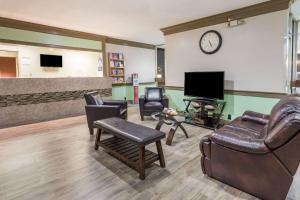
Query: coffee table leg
x: 159, y: 124
x: 142, y: 162
x: 98, y: 136
x: 171, y: 134
x: 160, y: 154
x: 183, y: 129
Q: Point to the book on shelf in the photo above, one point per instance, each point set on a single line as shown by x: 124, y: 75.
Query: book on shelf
x: 118, y: 80
x: 117, y: 72
x: 114, y: 63
x: 116, y: 56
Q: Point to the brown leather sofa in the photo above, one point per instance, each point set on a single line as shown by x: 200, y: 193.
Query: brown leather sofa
x: 257, y: 153
x: 152, y: 101
x: 97, y: 109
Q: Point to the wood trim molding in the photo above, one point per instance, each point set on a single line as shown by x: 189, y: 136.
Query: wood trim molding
x: 47, y: 45
x: 23, y: 25
x: 104, y: 59
x: 240, y: 92
x: 250, y: 11
x: 130, y: 84
x: 129, y: 43
x: 256, y: 94
x: 174, y: 88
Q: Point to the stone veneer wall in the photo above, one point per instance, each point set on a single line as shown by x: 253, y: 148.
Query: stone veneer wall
x: 31, y: 100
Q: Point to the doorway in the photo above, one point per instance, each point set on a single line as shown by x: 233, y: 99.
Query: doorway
x: 160, y: 71
x: 8, y: 64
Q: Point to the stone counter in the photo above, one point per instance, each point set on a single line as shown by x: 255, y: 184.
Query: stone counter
x: 31, y: 100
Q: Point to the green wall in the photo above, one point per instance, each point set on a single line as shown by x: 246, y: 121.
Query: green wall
x: 236, y: 105
x: 122, y: 91
x: 44, y: 38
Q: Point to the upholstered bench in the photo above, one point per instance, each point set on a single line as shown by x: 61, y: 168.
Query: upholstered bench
x: 128, y: 143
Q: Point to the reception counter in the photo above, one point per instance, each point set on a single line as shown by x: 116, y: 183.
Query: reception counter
x: 31, y: 100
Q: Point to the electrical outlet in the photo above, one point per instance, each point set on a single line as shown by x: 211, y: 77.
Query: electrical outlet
x: 229, y: 116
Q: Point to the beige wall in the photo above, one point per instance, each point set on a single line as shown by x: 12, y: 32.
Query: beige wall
x: 75, y: 63
x: 137, y: 60
x: 252, y: 55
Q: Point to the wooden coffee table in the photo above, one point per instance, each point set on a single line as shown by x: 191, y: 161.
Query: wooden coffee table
x: 128, y: 143
x: 174, y: 121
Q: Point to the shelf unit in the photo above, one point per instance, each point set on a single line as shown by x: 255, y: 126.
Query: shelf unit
x: 116, y: 63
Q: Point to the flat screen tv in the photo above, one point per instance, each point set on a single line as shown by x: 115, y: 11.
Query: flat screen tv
x: 208, y: 85
x: 51, y: 60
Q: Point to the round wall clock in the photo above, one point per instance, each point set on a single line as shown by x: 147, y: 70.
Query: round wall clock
x: 210, y: 42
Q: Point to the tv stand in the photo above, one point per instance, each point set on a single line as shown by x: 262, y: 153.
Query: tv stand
x: 204, y: 112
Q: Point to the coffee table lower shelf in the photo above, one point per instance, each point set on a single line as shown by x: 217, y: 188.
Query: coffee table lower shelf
x: 129, y: 153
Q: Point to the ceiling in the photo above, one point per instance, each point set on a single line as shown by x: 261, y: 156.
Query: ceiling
x: 136, y: 20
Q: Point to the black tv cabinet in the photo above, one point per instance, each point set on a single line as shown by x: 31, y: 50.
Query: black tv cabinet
x: 206, y: 115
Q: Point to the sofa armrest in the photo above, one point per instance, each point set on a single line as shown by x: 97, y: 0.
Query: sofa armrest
x: 255, y: 117
x: 205, y: 149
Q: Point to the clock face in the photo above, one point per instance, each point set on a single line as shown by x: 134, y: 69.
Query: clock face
x: 210, y: 42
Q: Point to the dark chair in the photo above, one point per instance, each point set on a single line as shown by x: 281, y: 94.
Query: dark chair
x: 152, y: 101
x: 97, y: 109
x: 257, y: 153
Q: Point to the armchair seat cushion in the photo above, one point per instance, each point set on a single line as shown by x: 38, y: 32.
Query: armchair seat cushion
x: 153, y: 105
x: 238, y: 136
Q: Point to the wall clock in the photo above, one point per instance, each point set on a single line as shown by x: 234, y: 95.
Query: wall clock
x: 210, y: 42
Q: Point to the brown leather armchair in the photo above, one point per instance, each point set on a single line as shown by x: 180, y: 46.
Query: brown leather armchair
x: 97, y: 109
x: 152, y: 101
x: 257, y: 153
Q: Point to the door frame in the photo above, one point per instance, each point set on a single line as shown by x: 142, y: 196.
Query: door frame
x: 12, y: 54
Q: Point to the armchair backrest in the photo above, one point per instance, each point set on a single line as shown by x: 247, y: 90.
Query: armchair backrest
x: 93, y: 98
x: 284, y: 121
x: 153, y: 94
x: 284, y: 132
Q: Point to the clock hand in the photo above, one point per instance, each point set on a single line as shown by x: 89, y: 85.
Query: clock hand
x: 210, y: 44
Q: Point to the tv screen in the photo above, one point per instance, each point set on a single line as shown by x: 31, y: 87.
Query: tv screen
x: 51, y: 60
x: 208, y: 85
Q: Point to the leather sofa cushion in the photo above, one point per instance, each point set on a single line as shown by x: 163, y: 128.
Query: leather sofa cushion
x: 242, y: 136
x: 252, y: 126
x: 137, y: 134
x: 255, y: 117
x: 154, y: 105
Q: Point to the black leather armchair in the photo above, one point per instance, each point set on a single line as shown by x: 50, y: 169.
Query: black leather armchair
x: 97, y: 109
x: 152, y: 101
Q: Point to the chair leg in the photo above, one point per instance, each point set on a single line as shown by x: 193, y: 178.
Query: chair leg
x: 91, y: 131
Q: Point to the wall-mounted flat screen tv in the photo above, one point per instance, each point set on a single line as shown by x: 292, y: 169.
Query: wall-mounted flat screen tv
x: 209, y: 85
x: 51, y: 60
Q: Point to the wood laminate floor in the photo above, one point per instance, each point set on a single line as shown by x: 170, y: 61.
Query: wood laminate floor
x: 56, y: 160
